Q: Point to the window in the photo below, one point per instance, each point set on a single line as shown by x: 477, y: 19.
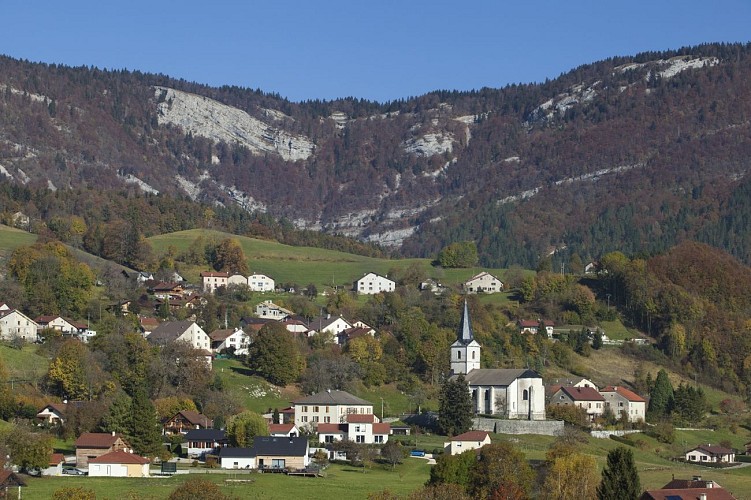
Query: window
x: 315, y: 418
x: 525, y: 395
x: 360, y: 439
x: 327, y: 420
x: 589, y: 405
x: 357, y: 428
x: 315, y: 409
x: 328, y: 439
x: 473, y: 354
x: 458, y: 354
x: 304, y: 419
x: 378, y: 439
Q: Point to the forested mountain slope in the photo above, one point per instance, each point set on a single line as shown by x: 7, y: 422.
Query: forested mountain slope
x: 631, y: 153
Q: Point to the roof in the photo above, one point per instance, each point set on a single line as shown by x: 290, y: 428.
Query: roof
x: 323, y: 322
x: 471, y: 436
x: 499, y: 376
x: 221, y: 335
x: 582, y: 394
x: 212, y: 274
x: 281, y: 446
x: 712, y: 450
x: 96, y: 440
x: 464, y: 334
x: 119, y: 457
x: 57, y: 458
x: 169, y: 331
x: 354, y: 418
x: 148, y: 323
x: 195, y: 418
x: 528, y: 323
x: 10, y: 478
x: 332, y: 428
x: 677, y: 484
x: 229, y: 452
x: 205, y: 435
x: 281, y: 428
x: 481, y: 275
x: 630, y: 395
x: 714, y: 493
x: 331, y: 397
x: 381, y: 428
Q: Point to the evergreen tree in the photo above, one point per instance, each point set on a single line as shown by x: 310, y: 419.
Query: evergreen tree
x: 145, y: 432
x: 620, y: 480
x: 455, y: 407
x: 597, y: 340
x: 661, y: 398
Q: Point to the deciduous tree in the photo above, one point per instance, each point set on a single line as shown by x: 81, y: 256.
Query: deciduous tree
x: 572, y: 477
x: 244, y: 427
x: 500, y: 466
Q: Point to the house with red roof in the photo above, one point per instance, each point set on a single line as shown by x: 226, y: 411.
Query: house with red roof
x: 90, y: 445
x: 360, y: 428
x: 283, y: 430
x: 695, y: 488
x: 119, y: 464
x: 581, y: 397
x: 707, y: 453
x: 471, y: 440
x: 620, y: 400
x: 212, y: 280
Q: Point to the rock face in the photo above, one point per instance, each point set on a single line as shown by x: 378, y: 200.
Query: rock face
x: 221, y: 123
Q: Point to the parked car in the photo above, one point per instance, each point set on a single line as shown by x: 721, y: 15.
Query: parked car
x: 75, y: 472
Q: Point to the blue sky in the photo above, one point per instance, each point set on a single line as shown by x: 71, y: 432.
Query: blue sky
x: 379, y: 50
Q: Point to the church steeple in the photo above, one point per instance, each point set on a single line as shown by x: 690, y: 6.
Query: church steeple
x: 465, y: 335
x: 465, y: 352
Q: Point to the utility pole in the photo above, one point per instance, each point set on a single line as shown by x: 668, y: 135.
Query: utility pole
x: 381, y: 409
x: 608, y: 296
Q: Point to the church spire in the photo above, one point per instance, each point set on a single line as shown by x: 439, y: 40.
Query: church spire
x: 465, y: 335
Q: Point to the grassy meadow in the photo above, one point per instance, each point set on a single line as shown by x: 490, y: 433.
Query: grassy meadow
x: 12, y: 238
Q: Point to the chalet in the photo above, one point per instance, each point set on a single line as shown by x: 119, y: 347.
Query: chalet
x: 184, y: 421
x: 620, y: 400
x: 581, y: 397
x: 268, y: 310
x: 373, y: 283
x: 329, y: 407
x: 200, y: 442
x: 483, y: 283
x: 13, y: 324
x: 183, y: 331
x: 532, y: 327
x: 511, y: 393
x: 471, y: 440
x: 260, y: 283
x: 283, y: 430
x: 95, y: 444
x: 234, y: 339
x: 706, y: 453
x: 167, y: 290
x: 119, y: 464
x: 359, y: 428
x: 213, y: 280
x: 68, y: 327
x: 695, y: 488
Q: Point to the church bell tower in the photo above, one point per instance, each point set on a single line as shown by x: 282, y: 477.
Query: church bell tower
x: 465, y: 352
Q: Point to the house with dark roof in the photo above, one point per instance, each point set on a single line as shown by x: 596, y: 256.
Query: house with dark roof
x: 581, y: 397
x: 55, y: 413
x: 329, y: 323
x: 184, y: 421
x: 329, y: 407
x: 472, y: 440
x: 623, y: 401
x: 268, y: 452
x: 237, y: 458
x: 230, y: 338
x: 119, y: 464
x: 91, y: 445
x: 512, y: 393
x: 532, y: 327
x: 183, y: 331
x: 9, y: 479
x: 689, y: 489
x: 707, y: 453
x: 200, y: 442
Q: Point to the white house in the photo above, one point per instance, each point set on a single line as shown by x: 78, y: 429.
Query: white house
x: 483, y: 282
x: 13, y: 323
x: 532, y: 327
x: 235, y: 338
x: 373, y: 283
x: 328, y: 407
x: 119, y: 464
x: 212, y: 280
x: 620, y: 399
x: 471, y: 440
x: 359, y: 428
x: 706, y: 453
x: 199, y: 442
x: 237, y: 458
x: 237, y: 279
x: 66, y: 326
x: 260, y: 283
x: 329, y: 324
x: 268, y: 310
x: 283, y: 430
x: 512, y: 393
x: 182, y: 331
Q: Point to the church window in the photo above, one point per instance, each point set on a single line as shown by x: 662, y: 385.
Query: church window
x: 525, y: 395
x: 473, y: 354
x: 458, y: 354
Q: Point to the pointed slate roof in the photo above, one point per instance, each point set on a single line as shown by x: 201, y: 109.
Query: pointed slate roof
x: 465, y: 335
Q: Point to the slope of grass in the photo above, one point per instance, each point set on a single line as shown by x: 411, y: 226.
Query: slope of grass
x: 23, y: 363
x: 304, y: 265
x: 12, y: 238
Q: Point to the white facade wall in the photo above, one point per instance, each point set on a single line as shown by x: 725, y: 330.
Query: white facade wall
x: 311, y: 415
x: 260, y: 283
x: 484, y: 282
x: 371, y: 284
x: 238, y: 463
x: 465, y: 358
x: 237, y: 279
x: 15, y: 324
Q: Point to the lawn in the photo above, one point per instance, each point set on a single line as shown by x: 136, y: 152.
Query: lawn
x: 251, y: 391
x: 23, y: 363
x: 340, y: 482
x: 12, y: 238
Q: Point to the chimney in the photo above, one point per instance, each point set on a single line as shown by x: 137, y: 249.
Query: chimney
x: 702, y: 496
x: 113, y: 433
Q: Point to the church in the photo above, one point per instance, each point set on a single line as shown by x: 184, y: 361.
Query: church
x: 508, y: 393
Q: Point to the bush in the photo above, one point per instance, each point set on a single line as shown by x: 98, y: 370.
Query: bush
x: 662, y: 432
x: 623, y: 440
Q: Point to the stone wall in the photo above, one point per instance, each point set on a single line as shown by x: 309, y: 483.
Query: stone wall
x: 607, y: 434
x: 542, y: 427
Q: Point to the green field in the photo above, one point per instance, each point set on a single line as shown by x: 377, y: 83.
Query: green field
x: 12, y: 238
x: 304, y: 265
x: 23, y: 363
x: 340, y: 482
